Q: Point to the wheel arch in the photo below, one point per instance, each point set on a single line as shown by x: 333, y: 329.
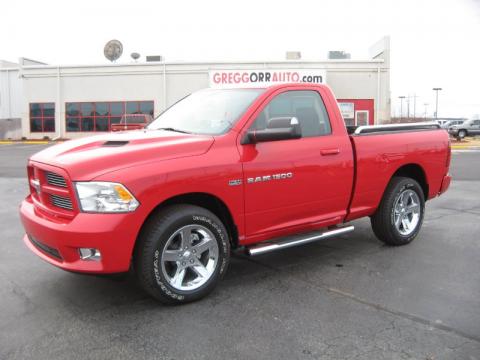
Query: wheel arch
x: 205, y: 200
x: 415, y: 172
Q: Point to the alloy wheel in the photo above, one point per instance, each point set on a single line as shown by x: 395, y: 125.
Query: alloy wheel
x: 406, y: 214
x: 190, y: 257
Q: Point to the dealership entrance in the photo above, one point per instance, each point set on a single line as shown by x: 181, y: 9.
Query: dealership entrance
x: 357, y: 112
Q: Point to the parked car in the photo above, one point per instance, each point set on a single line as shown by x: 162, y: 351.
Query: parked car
x: 450, y: 123
x: 132, y: 122
x: 468, y: 128
x: 441, y: 122
x: 252, y: 170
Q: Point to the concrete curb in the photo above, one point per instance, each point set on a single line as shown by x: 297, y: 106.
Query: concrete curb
x: 474, y: 145
x: 32, y: 142
x: 466, y: 148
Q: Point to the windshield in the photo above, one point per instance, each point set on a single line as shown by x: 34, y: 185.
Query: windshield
x: 209, y: 111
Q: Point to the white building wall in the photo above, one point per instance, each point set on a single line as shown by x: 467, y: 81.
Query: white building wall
x: 363, y: 84
x: 11, y: 93
x: 166, y: 83
x: 11, y: 101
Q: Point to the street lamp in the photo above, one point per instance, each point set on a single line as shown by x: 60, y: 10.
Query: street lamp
x: 401, y: 106
x: 437, y: 89
x: 414, y: 106
x: 426, y: 106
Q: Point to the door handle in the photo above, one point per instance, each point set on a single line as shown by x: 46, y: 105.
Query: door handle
x: 325, y: 152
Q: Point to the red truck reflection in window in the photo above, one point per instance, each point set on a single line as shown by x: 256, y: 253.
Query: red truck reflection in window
x: 132, y: 122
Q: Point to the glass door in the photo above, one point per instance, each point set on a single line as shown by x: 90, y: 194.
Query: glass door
x: 361, y: 117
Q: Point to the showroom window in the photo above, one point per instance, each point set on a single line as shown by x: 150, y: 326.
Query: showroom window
x: 42, y: 117
x: 99, y: 116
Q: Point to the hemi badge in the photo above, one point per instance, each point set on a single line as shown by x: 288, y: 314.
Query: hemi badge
x: 235, y: 182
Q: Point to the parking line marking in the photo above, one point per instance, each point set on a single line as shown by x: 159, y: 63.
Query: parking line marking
x: 415, y: 318
x: 412, y: 317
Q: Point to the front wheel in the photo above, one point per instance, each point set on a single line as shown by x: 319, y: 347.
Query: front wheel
x: 182, y: 253
x: 399, y: 217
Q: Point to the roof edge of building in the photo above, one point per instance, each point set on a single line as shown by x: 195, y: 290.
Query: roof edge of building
x: 150, y: 64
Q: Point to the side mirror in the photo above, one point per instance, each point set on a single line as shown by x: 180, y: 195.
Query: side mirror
x: 279, y: 128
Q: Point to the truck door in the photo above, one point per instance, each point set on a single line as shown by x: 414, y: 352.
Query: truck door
x: 296, y: 183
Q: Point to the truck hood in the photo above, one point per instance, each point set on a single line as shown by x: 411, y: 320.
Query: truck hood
x: 90, y: 157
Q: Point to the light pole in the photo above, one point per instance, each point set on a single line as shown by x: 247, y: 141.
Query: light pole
x: 426, y: 106
x: 408, y: 107
x: 401, y: 106
x: 437, y: 89
x: 414, y: 106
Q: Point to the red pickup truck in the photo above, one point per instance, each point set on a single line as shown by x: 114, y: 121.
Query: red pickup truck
x: 253, y: 170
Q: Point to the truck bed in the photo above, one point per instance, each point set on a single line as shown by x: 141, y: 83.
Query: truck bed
x: 379, y: 151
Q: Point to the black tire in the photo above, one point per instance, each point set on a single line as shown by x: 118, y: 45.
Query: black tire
x: 462, y: 134
x: 383, y: 221
x: 156, y: 236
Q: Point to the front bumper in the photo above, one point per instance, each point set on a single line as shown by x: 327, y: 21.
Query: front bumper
x: 57, y: 241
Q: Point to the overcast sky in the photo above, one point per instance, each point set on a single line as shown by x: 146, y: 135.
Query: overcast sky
x: 435, y: 43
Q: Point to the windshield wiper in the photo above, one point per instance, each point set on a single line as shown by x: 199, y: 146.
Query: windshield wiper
x: 173, y: 129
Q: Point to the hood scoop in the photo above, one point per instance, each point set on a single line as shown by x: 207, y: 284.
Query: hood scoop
x: 115, y: 143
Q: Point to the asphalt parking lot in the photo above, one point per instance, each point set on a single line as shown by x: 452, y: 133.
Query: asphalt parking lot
x: 345, y: 298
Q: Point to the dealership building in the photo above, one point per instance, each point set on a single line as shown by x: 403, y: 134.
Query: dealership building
x: 67, y: 101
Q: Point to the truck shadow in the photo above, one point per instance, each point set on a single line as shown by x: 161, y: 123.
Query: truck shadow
x: 96, y: 293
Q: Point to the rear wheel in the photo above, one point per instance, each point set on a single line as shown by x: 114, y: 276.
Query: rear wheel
x: 182, y: 253
x: 399, y: 217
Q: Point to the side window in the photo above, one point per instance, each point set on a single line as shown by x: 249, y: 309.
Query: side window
x: 306, y: 106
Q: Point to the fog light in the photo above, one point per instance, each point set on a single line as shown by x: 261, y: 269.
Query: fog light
x: 90, y: 254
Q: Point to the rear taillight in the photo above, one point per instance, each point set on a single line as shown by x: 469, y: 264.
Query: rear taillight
x: 449, y: 154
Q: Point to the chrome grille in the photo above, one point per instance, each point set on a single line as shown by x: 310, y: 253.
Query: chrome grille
x: 61, y: 202
x: 55, y: 179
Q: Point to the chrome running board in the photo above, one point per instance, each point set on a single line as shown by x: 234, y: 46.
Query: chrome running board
x: 295, y: 240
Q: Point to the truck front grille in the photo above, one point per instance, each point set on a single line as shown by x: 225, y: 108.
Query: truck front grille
x: 61, y: 202
x: 55, y: 179
x: 51, y: 190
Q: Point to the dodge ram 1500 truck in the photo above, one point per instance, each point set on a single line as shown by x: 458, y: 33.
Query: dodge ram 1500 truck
x: 253, y: 170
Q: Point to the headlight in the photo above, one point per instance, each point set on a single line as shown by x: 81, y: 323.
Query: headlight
x: 105, y: 197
